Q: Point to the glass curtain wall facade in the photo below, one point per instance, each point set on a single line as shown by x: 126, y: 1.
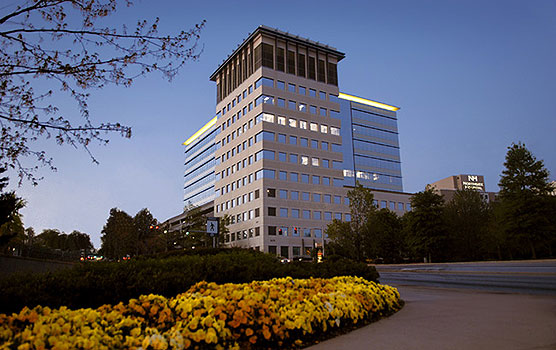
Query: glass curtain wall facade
x: 370, y: 146
x: 199, y: 176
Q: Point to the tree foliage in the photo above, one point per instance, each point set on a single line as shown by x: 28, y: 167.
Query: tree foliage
x: 527, y: 209
x: 11, y: 226
x: 426, y: 225
x: 59, y: 48
x: 54, y: 239
x: 124, y: 235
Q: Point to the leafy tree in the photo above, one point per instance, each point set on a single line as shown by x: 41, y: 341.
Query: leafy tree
x: 525, y: 201
x: 59, y: 47
x: 145, y: 236
x: 426, y: 226
x: 78, y: 241
x: 11, y: 225
x: 467, y: 217
x: 385, y: 236
x: 50, y: 238
x: 361, y: 209
x: 343, y: 241
x: 118, y: 235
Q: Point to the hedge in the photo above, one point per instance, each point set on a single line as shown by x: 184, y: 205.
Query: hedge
x: 92, y: 284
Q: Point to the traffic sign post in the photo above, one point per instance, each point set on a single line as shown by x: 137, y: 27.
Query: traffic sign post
x: 212, y: 229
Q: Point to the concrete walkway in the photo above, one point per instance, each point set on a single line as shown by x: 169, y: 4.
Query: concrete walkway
x: 450, y: 319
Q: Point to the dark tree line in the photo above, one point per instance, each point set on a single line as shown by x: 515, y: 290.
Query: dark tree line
x: 519, y: 224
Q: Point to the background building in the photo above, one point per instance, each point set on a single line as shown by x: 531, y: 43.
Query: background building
x: 447, y: 187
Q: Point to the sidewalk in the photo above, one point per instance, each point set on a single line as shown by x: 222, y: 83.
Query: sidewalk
x: 435, y: 318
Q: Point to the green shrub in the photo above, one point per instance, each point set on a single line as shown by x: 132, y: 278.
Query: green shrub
x: 96, y: 283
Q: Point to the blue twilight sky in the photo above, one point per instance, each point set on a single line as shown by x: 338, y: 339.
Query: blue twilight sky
x: 471, y: 77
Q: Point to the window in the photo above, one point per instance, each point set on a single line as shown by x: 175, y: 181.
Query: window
x: 282, y: 156
x: 332, y: 74
x: 317, y: 216
x: 294, y: 177
x: 400, y: 206
x: 392, y: 205
x: 327, y: 198
x: 264, y: 81
x: 293, y: 158
x: 313, y: 109
x: 282, y: 175
x: 272, y: 248
x: 316, y: 180
x: 324, y: 145
x: 337, y: 200
x: 301, y: 65
x: 314, y: 161
x: 321, y: 75
x: 302, y: 124
x: 303, y: 141
x: 294, y: 195
x: 292, y: 123
x: 305, y: 178
x: 281, y: 102
x: 280, y: 60
x: 282, y: 138
x: 307, y: 232
x: 302, y: 107
x: 314, y: 144
x: 314, y: 127
x: 325, y: 163
x: 291, y: 88
x: 337, y: 182
x: 336, y: 147
x: 271, y: 211
x: 304, y: 160
x: 338, y: 216
x: 291, y: 62
x: 292, y: 105
x: 296, y: 251
x: 293, y: 140
x: 301, y: 90
x: 271, y: 192
x: 284, y: 212
x: 327, y: 216
x: 316, y: 197
x: 313, y: 92
x: 271, y: 232
x: 282, y: 120
x: 348, y: 217
x: 283, y: 194
x: 264, y: 99
x: 335, y: 131
x: 336, y: 164
x: 322, y: 95
x: 324, y: 129
x: 257, y: 212
x: 323, y: 112
x: 408, y: 206
x: 264, y: 135
x: 383, y: 204
x: 306, y: 214
x: 305, y: 196
x: 280, y: 84
x: 295, y: 213
x: 268, y: 55
x: 346, y: 200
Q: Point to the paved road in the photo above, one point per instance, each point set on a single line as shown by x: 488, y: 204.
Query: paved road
x: 451, y: 319
x: 530, y: 277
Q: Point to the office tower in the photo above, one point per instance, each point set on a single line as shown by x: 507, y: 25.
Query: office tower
x: 287, y: 146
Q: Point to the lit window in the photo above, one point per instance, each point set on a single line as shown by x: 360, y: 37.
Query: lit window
x: 324, y: 129
x: 334, y: 131
x: 314, y: 161
x: 282, y: 120
x: 304, y: 160
x: 302, y: 124
x: 292, y: 123
x: 302, y: 107
x: 314, y: 127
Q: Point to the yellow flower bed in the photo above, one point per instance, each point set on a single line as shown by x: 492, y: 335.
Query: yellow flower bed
x: 208, y: 316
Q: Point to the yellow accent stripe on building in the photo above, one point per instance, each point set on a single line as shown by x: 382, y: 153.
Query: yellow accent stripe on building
x: 367, y: 102
x: 201, y: 131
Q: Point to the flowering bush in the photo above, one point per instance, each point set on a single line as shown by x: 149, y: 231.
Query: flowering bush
x: 260, y: 314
